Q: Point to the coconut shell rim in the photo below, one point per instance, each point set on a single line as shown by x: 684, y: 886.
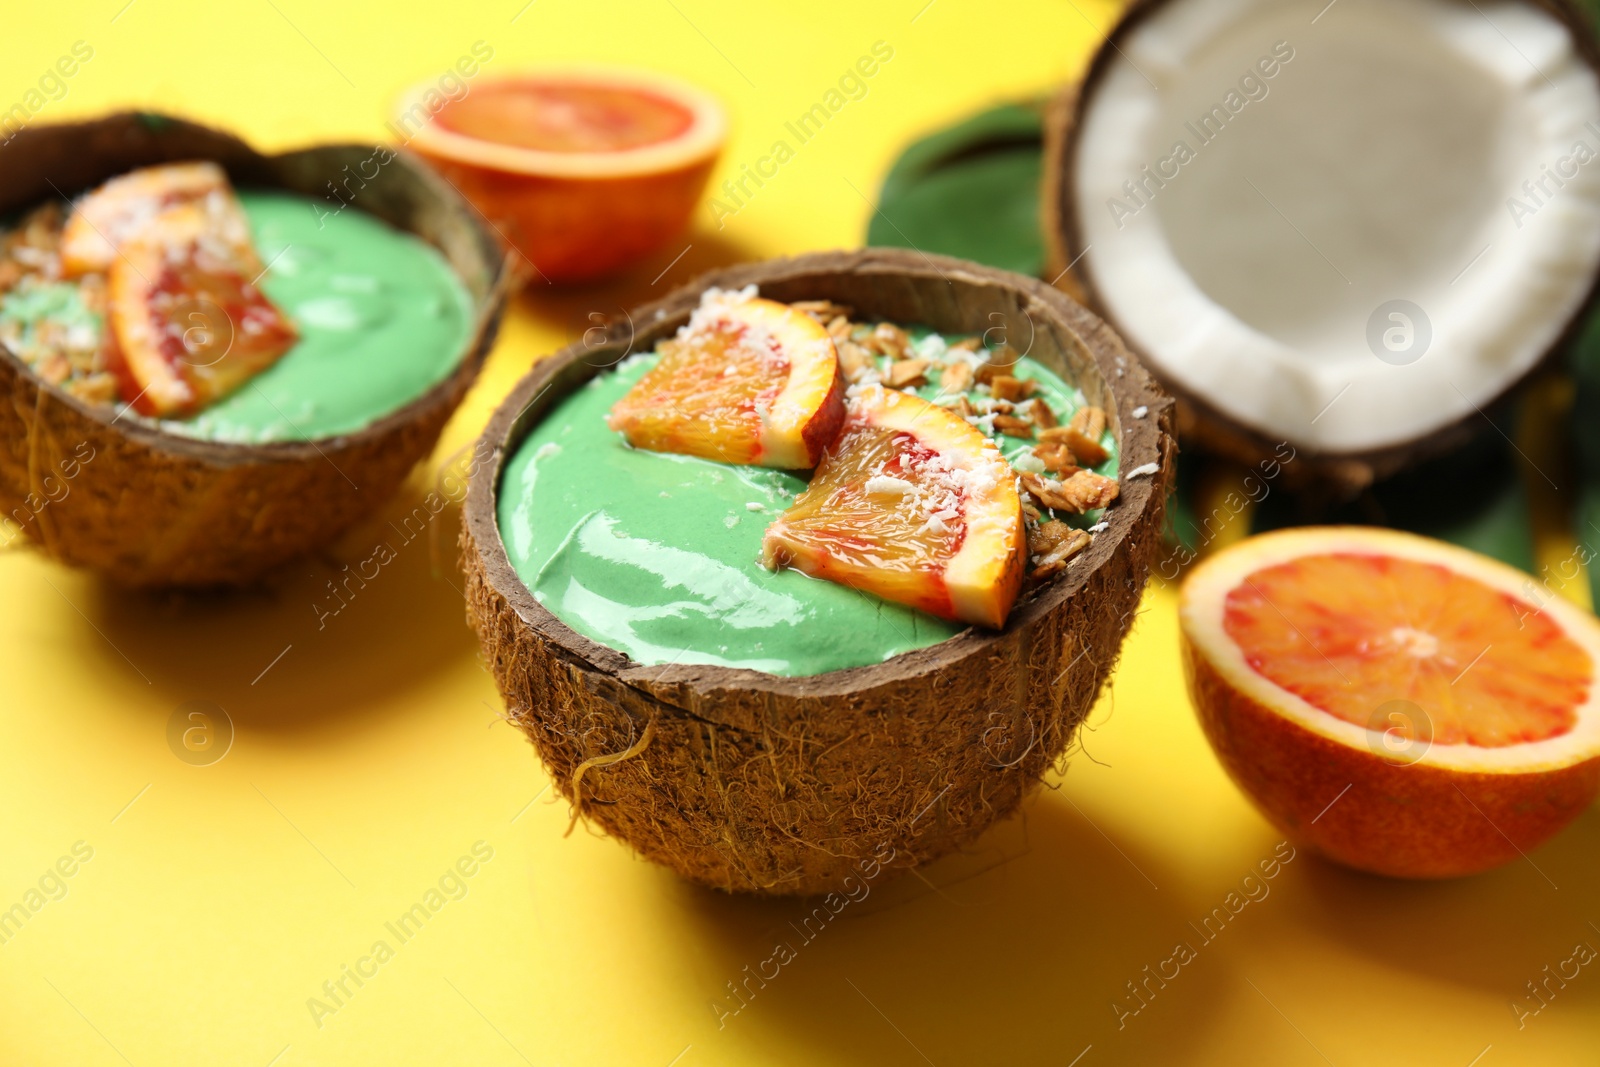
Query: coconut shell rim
x: 1200, y: 419
x: 678, y: 684
x: 467, y: 364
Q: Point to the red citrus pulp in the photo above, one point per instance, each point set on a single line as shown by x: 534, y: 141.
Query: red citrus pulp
x: 1402, y: 705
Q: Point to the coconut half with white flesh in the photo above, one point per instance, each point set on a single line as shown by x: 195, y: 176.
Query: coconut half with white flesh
x: 1344, y: 228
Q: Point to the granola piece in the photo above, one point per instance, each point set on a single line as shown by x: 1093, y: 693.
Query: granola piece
x: 1000, y: 362
x: 1090, y: 421
x: 1005, y: 387
x: 1056, y: 435
x: 1057, y: 458
x: 854, y: 360
x: 1086, y: 490
x: 1054, y: 561
x: 887, y: 339
x: 1012, y: 426
x: 1047, y: 537
x: 955, y: 378
x: 964, y: 408
x: 1083, y: 435
x: 97, y: 388
x: 904, y: 373
x: 1081, y: 491
x: 1040, y: 413
x: 839, y: 328
x: 824, y: 311
x: 966, y: 344
x: 1041, y: 489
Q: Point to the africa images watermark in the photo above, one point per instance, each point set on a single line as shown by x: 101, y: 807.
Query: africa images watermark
x: 736, y: 193
x: 1253, y: 889
x: 452, y: 885
x: 450, y: 487
x: 1257, y: 486
x: 785, y: 951
x: 449, y: 87
x: 49, y: 490
x: 1543, y: 990
x: 1153, y: 177
x: 1538, y: 191
x: 51, y: 86
x: 51, y: 887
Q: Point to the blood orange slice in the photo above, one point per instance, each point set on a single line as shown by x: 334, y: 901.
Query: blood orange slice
x: 131, y: 203
x: 187, y: 323
x: 1402, y: 705
x: 911, y: 504
x: 746, y: 381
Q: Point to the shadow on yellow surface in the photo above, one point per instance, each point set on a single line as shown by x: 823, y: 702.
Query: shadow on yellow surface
x: 1459, y: 932
x: 325, y: 644
x: 979, y: 958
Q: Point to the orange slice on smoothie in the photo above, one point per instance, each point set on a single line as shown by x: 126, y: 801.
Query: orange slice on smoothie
x: 747, y: 381
x: 130, y: 204
x: 187, y: 323
x: 1402, y: 705
x: 911, y: 504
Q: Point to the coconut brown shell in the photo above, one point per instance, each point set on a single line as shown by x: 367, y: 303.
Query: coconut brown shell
x: 1200, y: 424
x: 150, y: 508
x: 753, y: 782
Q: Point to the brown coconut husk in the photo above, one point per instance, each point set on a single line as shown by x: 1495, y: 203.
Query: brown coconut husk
x: 1329, y: 476
x: 752, y: 782
x: 150, y: 508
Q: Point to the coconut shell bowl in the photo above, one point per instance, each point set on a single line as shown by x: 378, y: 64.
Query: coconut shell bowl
x: 752, y: 782
x: 155, y: 509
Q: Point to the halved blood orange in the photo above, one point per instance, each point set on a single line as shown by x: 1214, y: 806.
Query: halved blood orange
x: 746, y: 381
x: 187, y: 323
x: 585, y: 169
x: 911, y: 504
x: 130, y: 203
x: 1404, y: 706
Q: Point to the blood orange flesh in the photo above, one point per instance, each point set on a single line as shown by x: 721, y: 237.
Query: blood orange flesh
x: 1402, y: 705
x: 565, y: 116
x: 1347, y: 632
x: 132, y: 203
x: 187, y: 323
x: 747, y: 381
x: 585, y: 169
x: 913, y: 505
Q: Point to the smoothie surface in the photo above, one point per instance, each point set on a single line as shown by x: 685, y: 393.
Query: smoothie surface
x: 382, y: 319
x: 658, y: 555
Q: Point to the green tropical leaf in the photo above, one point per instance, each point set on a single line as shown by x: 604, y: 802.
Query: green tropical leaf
x: 970, y: 190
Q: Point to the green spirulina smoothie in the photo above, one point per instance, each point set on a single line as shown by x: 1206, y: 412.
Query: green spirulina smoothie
x: 381, y: 316
x: 658, y: 555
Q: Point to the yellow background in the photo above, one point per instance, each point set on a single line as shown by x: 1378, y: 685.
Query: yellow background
x: 371, y: 755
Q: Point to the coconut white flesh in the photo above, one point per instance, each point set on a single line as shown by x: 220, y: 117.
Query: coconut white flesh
x: 1384, y: 159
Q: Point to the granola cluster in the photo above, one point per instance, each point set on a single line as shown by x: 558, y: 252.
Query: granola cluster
x: 1054, y: 477
x: 52, y: 324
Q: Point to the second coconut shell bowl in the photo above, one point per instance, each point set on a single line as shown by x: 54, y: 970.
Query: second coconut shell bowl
x: 156, y: 509
x: 751, y: 782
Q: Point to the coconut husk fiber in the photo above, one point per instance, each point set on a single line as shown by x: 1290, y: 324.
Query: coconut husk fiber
x: 150, y: 508
x: 757, y: 783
